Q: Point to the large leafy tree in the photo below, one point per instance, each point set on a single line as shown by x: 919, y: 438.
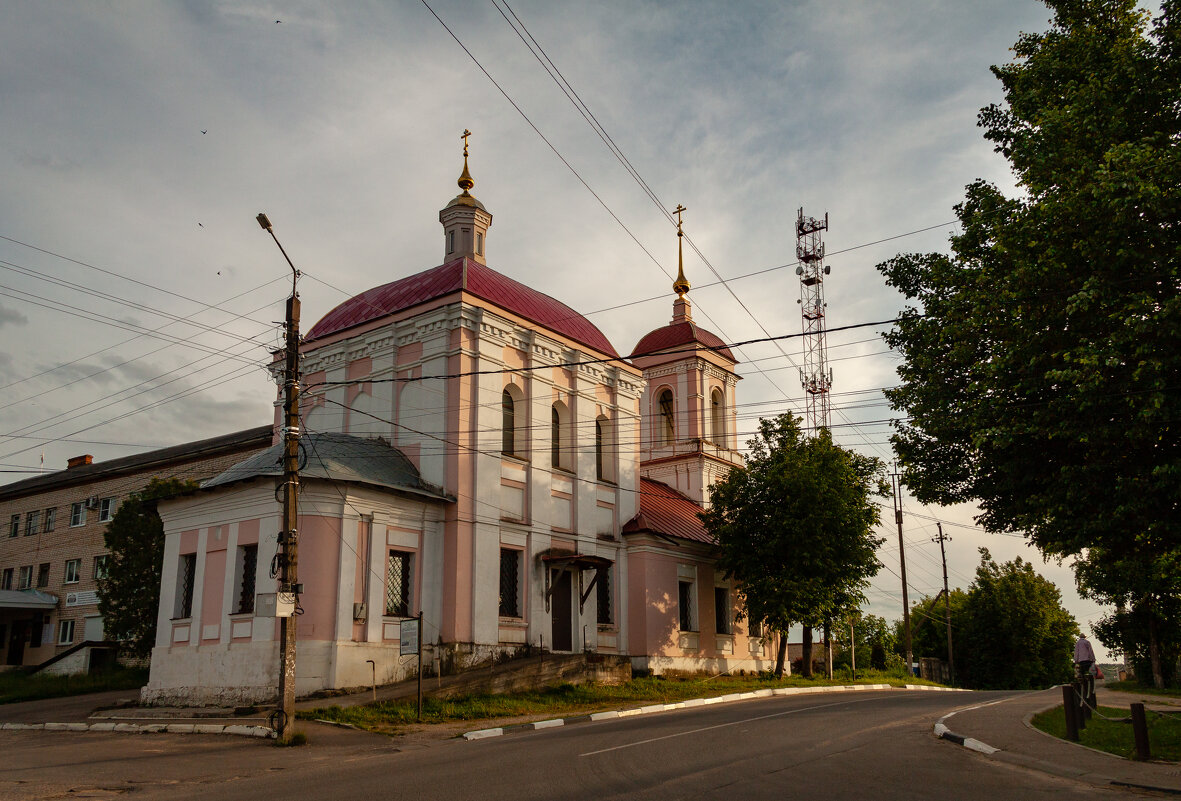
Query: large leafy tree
x: 795, y: 526
x: 1015, y: 634
x: 129, y: 594
x: 1042, y: 357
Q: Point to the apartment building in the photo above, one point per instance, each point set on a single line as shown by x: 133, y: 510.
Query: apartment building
x: 52, y: 551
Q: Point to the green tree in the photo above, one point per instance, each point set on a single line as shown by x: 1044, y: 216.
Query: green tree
x: 795, y: 527
x: 1042, y: 357
x: 1146, y: 590
x: 1015, y: 633
x: 928, y: 620
x: 129, y: 593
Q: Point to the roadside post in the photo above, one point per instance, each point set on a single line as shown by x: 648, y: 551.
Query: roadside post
x: 1140, y: 732
x: 410, y: 642
x: 1069, y: 711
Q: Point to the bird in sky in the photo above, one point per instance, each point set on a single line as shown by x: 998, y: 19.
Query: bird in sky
x: 199, y: 225
x: 205, y: 132
x: 278, y: 21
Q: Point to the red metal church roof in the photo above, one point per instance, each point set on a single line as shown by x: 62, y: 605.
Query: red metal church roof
x: 468, y: 276
x: 665, y: 511
x: 677, y: 335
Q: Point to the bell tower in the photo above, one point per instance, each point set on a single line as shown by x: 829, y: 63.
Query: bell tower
x: 688, y: 434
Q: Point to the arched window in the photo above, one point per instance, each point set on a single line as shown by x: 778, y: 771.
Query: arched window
x: 561, y: 450
x: 555, y: 437
x: 508, y: 409
x: 599, y: 449
x: 666, y: 429
x: 604, y: 453
x: 717, y: 408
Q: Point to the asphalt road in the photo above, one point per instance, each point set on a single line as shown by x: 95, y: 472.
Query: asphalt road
x: 839, y: 746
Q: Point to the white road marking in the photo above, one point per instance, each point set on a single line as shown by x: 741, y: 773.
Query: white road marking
x: 724, y: 725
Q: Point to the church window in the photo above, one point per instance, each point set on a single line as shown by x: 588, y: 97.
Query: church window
x: 479, y: 244
x: 186, y: 573
x: 397, y: 584
x: 508, y: 410
x: 561, y: 451
x: 599, y: 451
x: 603, y: 585
x: 667, y: 430
x: 451, y: 241
x: 717, y: 417
x: 722, y: 620
x: 510, y: 582
x: 247, y: 566
x: 686, y: 600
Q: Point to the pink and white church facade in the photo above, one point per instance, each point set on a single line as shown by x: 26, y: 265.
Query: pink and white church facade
x: 478, y: 451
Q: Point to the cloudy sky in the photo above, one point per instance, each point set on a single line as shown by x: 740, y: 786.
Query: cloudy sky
x: 138, y: 296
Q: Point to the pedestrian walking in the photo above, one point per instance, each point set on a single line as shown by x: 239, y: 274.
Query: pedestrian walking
x: 1084, y: 655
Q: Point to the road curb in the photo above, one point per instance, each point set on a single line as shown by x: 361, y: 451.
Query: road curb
x: 146, y: 728
x: 481, y: 734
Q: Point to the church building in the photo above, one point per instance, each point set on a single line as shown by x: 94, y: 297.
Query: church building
x: 479, y: 452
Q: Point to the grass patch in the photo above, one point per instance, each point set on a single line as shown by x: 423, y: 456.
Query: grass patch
x: 1164, y: 733
x: 566, y: 700
x: 16, y: 685
x: 1140, y: 689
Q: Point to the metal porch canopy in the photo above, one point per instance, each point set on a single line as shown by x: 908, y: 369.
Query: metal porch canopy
x: 26, y: 599
x: 579, y: 562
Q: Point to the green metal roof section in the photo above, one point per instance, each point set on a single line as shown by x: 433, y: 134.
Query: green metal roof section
x: 337, y: 457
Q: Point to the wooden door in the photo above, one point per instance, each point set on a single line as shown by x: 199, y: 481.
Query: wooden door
x: 560, y: 608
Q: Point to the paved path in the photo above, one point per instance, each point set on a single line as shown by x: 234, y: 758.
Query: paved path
x: 1004, y: 724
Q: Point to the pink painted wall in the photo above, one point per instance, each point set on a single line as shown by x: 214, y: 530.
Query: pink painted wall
x: 211, y: 588
x: 319, y: 569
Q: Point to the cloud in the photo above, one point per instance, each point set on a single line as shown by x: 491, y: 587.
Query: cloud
x: 12, y: 317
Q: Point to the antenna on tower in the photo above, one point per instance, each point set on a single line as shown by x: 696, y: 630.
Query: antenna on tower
x: 815, y: 375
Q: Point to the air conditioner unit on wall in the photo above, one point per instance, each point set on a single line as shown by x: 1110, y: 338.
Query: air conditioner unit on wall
x: 92, y: 502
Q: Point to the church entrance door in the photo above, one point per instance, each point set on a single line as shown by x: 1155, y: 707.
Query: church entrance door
x: 560, y: 608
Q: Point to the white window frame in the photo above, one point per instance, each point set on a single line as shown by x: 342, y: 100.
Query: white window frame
x: 33, y: 523
x: 100, y: 566
x: 106, y: 509
x: 77, y: 571
x: 65, y: 632
x: 50, y: 519
x: 77, y: 514
x: 24, y: 579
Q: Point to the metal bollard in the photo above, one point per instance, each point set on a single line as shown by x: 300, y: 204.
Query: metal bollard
x: 1140, y: 732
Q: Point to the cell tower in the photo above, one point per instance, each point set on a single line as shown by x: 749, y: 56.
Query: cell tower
x: 815, y: 375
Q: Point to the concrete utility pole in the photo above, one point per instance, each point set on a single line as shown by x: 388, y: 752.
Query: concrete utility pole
x: 289, y: 589
x: 897, y: 481
x: 942, y: 538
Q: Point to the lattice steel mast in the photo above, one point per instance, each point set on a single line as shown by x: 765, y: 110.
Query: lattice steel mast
x: 815, y: 375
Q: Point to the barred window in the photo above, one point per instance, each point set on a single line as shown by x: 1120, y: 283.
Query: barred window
x: 186, y: 573
x: 510, y: 582
x: 685, y: 599
x: 722, y: 618
x: 397, y: 584
x: 249, y: 561
x: 603, y: 593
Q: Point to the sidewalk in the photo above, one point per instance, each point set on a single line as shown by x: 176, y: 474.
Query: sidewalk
x: 1004, y: 726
